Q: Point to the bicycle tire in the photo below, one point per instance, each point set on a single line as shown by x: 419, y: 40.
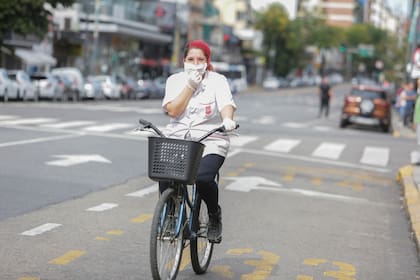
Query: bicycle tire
x: 165, y: 247
x: 201, y: 249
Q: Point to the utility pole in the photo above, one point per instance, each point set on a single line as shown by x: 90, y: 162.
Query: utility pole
x: 96, y: 37
x: 175, y: 46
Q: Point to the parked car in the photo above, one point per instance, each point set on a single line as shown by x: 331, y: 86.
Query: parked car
x: 26, y: 90
x: 77, y: 82
x: 367, y: 105
x: 271, y: 83
x: 110, y: 87
x: 8, y: 88
x: 152, y: 88
x: 93, y: 88
x: 47, y: 86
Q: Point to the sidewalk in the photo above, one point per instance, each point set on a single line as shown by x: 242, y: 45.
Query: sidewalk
x: 409, y: 178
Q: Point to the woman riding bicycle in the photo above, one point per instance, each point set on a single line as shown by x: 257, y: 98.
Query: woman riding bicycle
x: 198, y: 100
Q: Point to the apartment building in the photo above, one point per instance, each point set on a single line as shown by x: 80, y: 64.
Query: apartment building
x: 338, y: 12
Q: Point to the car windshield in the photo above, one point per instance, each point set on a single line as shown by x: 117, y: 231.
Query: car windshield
x: 368, y: 94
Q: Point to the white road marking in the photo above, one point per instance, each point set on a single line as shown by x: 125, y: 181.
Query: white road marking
x: 68, y: 124
x: 69, y: 160
x: 27, y: 121
x: 145, y: 191
x: 375, y: 156
x: 7, y: 117
x: 108, y: 127
x: 264, y: 120
x: 41, y: 229
x: 329, y: 150
x: 102, y: 207
x: 323, y: 128
x: 242, y: 140
x: 294, y: 125
x: 318, y: 160
x: 38, y: 140
x: 282, y: 145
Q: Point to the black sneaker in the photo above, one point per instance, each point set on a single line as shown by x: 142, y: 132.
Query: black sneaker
x: 214, y: 233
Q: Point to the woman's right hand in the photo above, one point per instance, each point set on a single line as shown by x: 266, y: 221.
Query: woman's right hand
x: 194, y: 80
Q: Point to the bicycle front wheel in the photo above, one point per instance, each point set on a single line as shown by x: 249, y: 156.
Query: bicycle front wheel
x: 166, y: 239
x: 200, y: 247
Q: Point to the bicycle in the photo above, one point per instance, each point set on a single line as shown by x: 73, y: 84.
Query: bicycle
x: 180, y: 217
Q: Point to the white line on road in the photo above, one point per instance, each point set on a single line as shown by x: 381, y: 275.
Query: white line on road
x: 329, y: 150
x: 27, y: 121
x: 282, y: 145
x: 311, y: 159
x: 102, y: 207
x: 375, y: 156
x: 69, y: 124
x: 144, y: 192
x: 41, y: 229
x: 38, y: 140
x: 242, y: 140
x: 7, y: 117
x: 108, y: 127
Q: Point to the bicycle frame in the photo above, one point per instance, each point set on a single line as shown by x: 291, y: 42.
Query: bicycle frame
x: 185, y: 201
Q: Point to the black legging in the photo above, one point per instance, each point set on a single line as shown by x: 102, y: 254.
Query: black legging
x: 206, y: 181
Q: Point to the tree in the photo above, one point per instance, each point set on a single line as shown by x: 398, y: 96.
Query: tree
x: 273, y: 23
x: 26, y: 16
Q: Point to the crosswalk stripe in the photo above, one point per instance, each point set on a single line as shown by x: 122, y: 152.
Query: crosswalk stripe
x: 108, y: 127
x: 282, y: 145
x: 375, y: 156
x: 242, y: 140
x: 27, y: 121
x: 294, y: 125
x: 68, y: 124
x: 7, y: 117
x: 329, y: 150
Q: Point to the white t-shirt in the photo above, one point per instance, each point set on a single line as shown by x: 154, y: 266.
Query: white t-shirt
x: 202, y: 113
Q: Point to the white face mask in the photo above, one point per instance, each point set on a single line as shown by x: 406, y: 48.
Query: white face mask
x: 200, y: 68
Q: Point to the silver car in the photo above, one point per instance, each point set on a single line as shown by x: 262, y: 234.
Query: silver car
x: 8, y: 88
x: 26, y: 90
x: 47, y: 86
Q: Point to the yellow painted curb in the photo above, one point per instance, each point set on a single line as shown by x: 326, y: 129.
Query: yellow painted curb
x: 411, y: 200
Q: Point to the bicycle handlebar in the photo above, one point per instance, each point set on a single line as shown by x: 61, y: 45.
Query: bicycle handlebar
x: 147, y: 124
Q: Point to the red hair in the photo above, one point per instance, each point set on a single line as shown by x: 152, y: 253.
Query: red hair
x: 202, y: 45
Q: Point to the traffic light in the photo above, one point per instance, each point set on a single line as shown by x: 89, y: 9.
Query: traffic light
x: 342, y: 48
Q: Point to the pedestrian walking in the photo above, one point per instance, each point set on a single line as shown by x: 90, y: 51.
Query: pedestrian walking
x: 325, y: 94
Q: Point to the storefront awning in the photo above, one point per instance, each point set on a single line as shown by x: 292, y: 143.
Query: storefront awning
x: 31, y: 57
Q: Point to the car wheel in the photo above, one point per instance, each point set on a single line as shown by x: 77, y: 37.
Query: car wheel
x: 385, y: 128
x: 343, y: 123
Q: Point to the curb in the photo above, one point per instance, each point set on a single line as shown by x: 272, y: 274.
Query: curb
x: 411, y: 200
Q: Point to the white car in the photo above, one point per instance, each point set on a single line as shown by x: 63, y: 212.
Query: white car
x: 47, y: 86
x: 26, y: 90
x: 271, y: 83
x: 110, y: 87
x: 77, y: 81
x: 8, y: 88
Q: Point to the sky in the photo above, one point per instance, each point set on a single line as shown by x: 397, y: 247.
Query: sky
x: 400, y: 6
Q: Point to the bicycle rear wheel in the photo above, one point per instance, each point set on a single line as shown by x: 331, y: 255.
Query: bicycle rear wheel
x: 166, y: 241
x: 200, y: 247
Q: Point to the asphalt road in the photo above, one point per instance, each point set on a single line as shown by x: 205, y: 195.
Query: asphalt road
x: 301, y: 198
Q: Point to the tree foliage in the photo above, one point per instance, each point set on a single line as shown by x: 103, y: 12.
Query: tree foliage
x: 289, y: 39
x: 26, y: 16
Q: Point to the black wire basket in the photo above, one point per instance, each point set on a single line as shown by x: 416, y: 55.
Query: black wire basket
x: 174, y: 159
